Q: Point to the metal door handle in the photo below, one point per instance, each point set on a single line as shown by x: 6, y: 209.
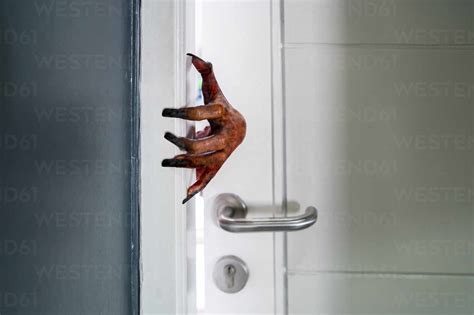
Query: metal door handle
x: 231, y: 213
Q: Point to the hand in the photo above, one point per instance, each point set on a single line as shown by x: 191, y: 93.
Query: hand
x: 215, y: 143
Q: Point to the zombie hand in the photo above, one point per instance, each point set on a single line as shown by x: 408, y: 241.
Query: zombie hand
x: 215, y: 143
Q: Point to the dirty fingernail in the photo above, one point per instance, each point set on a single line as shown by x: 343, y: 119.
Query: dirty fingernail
x: 169, y: 112
x: 175, y: 140
x: 173, y: 163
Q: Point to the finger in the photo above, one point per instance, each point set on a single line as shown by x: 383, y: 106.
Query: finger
x: 201, y: 66
x: 210, y: 111
x: 212, y: 143
x: 200, y: 171
x: 201, y: 183
x: 194, y: 161
x: 210, y: 87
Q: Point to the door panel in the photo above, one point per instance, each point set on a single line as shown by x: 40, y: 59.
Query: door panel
x: 235, y: 37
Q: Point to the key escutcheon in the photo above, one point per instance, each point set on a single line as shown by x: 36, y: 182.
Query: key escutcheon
x: 230, y: 274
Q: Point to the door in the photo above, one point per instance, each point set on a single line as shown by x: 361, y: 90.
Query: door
x: 363, y: 109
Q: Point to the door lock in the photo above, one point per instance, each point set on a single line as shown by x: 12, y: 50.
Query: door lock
x: 230, y: 274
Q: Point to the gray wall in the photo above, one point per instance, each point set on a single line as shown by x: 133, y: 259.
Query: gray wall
x: 65, y: 126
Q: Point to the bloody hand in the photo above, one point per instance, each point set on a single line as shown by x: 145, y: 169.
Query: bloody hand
x: 215, y: 143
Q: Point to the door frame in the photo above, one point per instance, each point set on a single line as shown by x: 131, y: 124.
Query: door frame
x: 156, y: 230
x: 279, y: 155
x: 163, y: 219
x: 134, y: 15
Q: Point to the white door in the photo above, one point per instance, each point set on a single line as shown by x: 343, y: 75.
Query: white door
x: 236, y: 37
x: 363, y: 109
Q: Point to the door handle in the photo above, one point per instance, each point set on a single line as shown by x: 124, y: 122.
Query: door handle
x: 231, y: 212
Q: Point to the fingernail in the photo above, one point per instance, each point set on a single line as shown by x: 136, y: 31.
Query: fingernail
x: 186, y: 199
x: 174, y: 163
x: 190, y: 196
x: 175, y: 140
x: 169, y: 136
x: 168, y: 112
x: 194, y: 56
x: 166, y: 162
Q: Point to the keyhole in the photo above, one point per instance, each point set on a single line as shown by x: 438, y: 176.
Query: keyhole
x: 229, y: 271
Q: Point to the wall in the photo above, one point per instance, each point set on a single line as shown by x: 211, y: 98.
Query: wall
x: 379, y: 137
